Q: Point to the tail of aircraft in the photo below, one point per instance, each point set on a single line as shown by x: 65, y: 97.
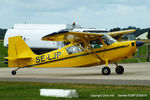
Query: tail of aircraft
x: 18, y: 51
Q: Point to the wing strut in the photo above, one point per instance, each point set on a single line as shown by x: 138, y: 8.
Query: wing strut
x: 120, y: 37
x: 92, y: 49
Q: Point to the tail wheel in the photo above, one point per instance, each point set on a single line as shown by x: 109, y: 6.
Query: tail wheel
x: 13, y: 72
x: 119, y: 70
x: 106, y: 71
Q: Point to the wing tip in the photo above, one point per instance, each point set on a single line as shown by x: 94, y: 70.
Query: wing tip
x: 54, y: 33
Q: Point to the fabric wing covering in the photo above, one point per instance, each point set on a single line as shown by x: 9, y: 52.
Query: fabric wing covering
x: 70, y: 36
x: 121, y: 32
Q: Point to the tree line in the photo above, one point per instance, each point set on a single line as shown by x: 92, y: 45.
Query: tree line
x: 137, y: 33
x: 2, y: 33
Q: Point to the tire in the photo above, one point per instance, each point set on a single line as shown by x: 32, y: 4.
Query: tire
x: 13, y: 72
x: 119, y: 70
x: 106, y: 71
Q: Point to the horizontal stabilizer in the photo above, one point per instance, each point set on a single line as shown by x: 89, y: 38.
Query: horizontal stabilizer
x: 18, y: 58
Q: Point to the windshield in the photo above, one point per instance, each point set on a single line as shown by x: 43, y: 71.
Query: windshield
x: 108, y: 39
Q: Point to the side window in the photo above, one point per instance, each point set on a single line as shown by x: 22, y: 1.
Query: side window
x: 105, y: 39
x: 74, y: 49
x: 108, y: 39
x: 96, y: 44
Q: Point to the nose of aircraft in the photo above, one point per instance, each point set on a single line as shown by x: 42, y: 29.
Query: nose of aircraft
x: 139, y: 43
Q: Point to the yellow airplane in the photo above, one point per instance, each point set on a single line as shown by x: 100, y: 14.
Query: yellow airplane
x: 84, y: 50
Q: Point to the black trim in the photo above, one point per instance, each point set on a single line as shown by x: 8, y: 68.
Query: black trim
x: 56, y: 33
x: 78, y: 55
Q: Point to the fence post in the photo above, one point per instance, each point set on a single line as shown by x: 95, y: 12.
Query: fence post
x: 138, y: 54
x: 148, y: 52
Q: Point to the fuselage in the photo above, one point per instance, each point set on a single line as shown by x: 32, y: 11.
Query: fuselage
x: 63, y: 58
x: 82, y: 54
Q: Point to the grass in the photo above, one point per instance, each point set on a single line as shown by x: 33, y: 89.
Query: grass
x: 30, y: 91
x: 136, y: 59
x: 3, y: 53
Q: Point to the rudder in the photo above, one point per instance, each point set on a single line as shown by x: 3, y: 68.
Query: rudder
x: 18, y: 51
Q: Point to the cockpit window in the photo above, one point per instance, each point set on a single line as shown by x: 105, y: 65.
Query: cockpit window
x: 108, y: 39
x: 96, y: 44
x: 75, y: 49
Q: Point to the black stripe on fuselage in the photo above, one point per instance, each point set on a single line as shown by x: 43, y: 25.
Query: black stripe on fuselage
x: 78, y: 55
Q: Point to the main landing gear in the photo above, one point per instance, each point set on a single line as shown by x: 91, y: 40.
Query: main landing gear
x: 106, y: 70
x: 15, y: 71
x: 119, y: 69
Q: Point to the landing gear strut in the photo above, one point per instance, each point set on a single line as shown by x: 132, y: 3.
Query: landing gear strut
x: 14, y: 71
x: 106, y: 70
x: 119, y: 69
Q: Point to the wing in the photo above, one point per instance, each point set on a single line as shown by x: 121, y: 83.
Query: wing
x: 118, y: 34
x: 71, y: 36
x: 121, y: 32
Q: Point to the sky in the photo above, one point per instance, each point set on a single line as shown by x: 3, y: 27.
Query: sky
x: 105, y: 14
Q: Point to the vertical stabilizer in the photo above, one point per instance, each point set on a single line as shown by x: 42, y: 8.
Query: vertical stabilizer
x: 19, y: 53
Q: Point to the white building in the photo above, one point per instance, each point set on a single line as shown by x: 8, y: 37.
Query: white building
x: 32, y: 34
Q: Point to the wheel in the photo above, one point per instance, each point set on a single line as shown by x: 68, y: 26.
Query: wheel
x: 119, y: 70
x: 13, y: 72
x: 106, y: 71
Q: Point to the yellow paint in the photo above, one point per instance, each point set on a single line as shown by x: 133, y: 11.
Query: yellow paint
x: 20, y: 55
